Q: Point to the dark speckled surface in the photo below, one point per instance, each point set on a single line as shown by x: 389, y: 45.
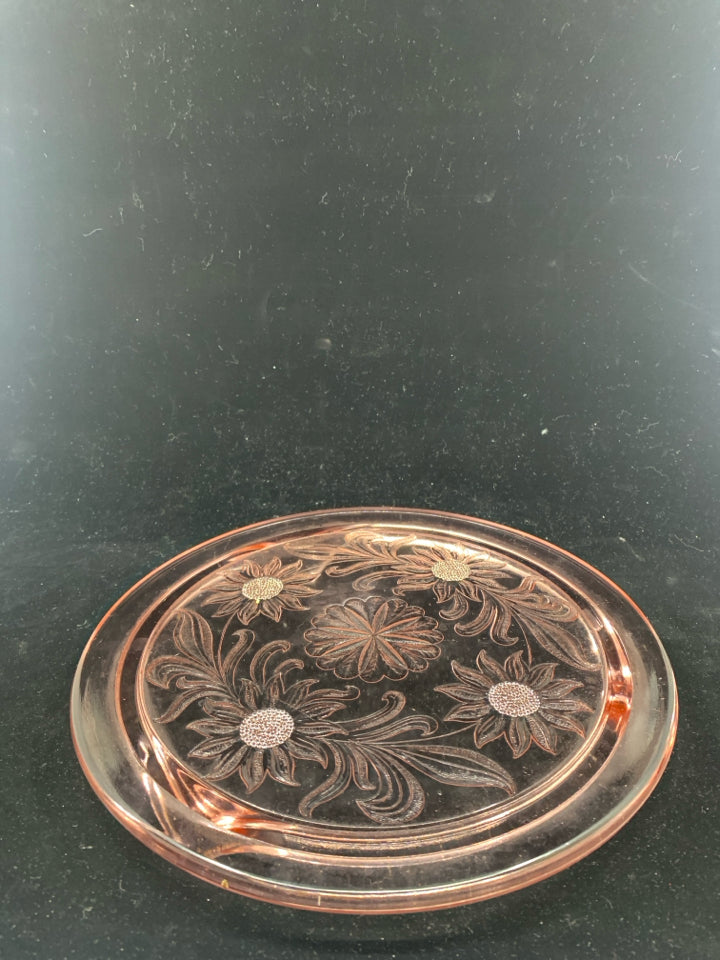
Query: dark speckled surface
x: 266, y: 257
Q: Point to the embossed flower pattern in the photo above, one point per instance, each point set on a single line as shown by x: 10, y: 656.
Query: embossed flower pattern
x: 256, y: 725
x: 455, y: 577
x: 266, y: 730
x: 254, y: 590
x: 503, y: 604
x: 522, y: 703
x: 373, y: 638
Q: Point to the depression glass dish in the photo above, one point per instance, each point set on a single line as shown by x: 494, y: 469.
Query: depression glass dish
x: 374, y: 710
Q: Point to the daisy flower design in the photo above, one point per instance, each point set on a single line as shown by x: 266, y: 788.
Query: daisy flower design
x: 267, y: 590
x: 522, y: 703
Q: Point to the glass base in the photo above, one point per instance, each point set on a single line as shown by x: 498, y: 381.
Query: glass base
x: 374, y: 710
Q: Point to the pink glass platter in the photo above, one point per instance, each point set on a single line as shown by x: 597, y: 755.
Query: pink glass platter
x: 374, y: 710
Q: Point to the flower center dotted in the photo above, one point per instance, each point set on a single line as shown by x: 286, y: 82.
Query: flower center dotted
x: 450, y: 570
x: 513, y: 699
x: 267, y: 728
x: 262, y: 588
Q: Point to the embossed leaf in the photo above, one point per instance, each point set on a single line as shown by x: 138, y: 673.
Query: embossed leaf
x: 318, y: 703
x: 333, y: 786
x: 357, y: 553
x: 398, y: 798
x: 261, y: 663
x: 560, y: 643
x: 235, y: 655
x: 525, y: 611
x: 195, y: 673
x: 456, y: 766
x: 377, y: 762
x: 182, y: 702
x: 393, y: 705
x: 193, y: 636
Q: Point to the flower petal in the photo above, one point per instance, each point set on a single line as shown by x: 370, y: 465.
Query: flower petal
x: 457, y: 608
x: 563, y: 722
x: 475, y: 678
x: 319, y: 729
x: 281, y: 766
x: 540, y: 675
x: 252, y: 769
x: 464, y: 693
x: 469, y: 711
x: 558, y: 689
x: 249, y: 693
x: 213, y: 747
x: 442, y: 589
x: 291, y: 602
x: 302, y: 749
x: 515, y: 667
x: 491, y: 667
x: 488, y: 729
x: 373, y: 638
x: 518, y: 735
x: 226, y: 711
x: 542, y: 733
x: 222, y: 767
x: 272, y: 608
x: 566, y: 706
x: 472, y: 590
x: 368, y: 667
x: 247, y: 611
x: 210, y: 728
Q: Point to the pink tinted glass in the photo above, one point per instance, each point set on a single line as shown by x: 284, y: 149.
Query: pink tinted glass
x: 374, y: 710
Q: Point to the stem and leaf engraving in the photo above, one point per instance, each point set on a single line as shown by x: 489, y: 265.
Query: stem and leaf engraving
x: 255, y: 707
x: 506, y: 607
x: 259, y: 722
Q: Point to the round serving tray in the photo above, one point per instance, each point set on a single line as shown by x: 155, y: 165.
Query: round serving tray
x: 374, y: 710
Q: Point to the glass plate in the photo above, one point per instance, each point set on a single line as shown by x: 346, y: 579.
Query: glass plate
x: 374, y: 710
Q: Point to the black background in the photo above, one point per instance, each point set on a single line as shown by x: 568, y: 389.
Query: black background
x: 267, y: 257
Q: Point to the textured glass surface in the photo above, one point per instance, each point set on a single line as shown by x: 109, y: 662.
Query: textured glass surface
x: 374, y: 710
